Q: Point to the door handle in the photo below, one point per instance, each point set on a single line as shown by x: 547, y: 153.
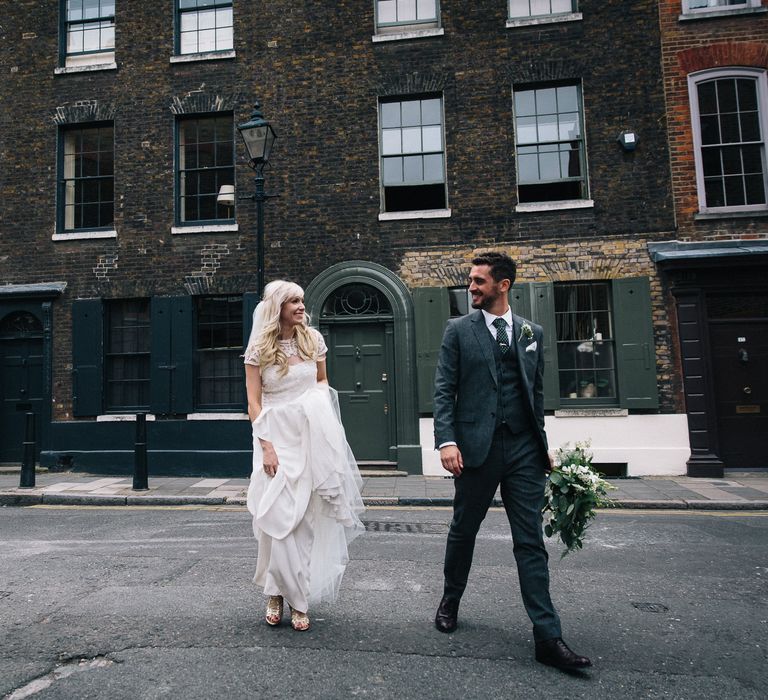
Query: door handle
x: 384, y: 377
x: 358, y: 386
x: 747, y: 389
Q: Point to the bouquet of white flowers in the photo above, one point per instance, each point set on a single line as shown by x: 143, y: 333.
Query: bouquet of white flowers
x: 573, y: 492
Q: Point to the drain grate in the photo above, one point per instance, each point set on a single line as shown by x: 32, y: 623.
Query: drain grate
x: 408, y: 528
x: 651, y: 607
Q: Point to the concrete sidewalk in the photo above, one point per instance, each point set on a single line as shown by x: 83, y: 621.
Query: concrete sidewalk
x: 742, y: 491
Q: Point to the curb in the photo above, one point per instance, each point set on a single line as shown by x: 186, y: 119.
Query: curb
x: 22, y: 497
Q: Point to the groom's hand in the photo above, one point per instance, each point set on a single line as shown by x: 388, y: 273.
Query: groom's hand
x: 450, y: 457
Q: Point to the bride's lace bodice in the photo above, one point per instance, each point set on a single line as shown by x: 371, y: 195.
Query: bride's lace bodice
x: 276, y: 389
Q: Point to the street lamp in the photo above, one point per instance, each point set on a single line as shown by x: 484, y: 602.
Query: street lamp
x: 259, y: 137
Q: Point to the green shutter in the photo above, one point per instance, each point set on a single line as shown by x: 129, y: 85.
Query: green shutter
x: 635, y: 348
x: 520, y: 300
x: 162, y: 367
x: 543, y: 313
x: 173, y: 347
x: 182, y: 355
x: 87, y: 356
x: 432, y: 310
x: 250, y: 300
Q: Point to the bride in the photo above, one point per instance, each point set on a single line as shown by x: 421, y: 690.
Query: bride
x: 304, y: 493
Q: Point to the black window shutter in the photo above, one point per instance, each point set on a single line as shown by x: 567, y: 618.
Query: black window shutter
x: 635, y: 348
x: 162, y: 367
x: 543, y: 312
x: 432, y: 309
x: 182, y: 355
x: 87, y: 356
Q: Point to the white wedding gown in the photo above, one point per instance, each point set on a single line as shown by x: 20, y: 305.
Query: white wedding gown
x: 306, y: 515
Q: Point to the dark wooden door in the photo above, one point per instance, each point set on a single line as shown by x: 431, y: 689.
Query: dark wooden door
x: 21, y: 381
x: 740, y: 369
x: 359, y: 368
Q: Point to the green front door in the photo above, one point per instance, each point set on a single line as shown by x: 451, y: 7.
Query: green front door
x: 360, y: 369
x: 21, y: 380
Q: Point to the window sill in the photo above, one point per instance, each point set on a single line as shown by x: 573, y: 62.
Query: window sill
x: 413, y: 34
x: 534, y: 207
x: 63, y: 70
x: 419, y: 214
x: 716, y: 14
x: 209, y: 228
x: 552, y: 19
x: 587, y: 412
x: 205, y: 56
x: 725, y: 215
x: 120, y: 417
x: 83, y: 235
x: 217, y: 416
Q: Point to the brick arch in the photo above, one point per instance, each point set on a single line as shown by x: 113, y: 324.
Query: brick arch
x: 199, y: 102
x: 84, y: 111
x: 751, y: 54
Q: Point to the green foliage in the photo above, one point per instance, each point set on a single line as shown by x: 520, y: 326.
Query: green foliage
x: 574, y: 490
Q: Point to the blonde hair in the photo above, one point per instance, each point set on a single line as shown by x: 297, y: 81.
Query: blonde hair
x: 266, y: 328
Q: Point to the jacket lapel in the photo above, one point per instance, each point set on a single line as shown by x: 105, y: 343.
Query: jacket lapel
x: 485, y: 341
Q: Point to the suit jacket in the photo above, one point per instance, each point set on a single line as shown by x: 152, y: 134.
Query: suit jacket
x: 465, y: 400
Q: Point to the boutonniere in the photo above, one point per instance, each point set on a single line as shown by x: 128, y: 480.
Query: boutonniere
x: 525, y: 332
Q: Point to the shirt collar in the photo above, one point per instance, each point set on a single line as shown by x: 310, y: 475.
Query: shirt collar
x: 490, y: 318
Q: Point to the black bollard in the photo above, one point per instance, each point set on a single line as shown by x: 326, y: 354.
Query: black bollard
x: 27, y: 480
x: 140, y: 480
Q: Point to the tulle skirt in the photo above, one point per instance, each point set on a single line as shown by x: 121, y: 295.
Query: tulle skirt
x: 307, y: 514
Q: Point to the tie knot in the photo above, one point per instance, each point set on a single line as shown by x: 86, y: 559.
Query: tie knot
x: 500, y: 323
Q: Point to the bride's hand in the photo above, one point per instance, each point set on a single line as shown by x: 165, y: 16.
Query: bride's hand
x: 270, y: 459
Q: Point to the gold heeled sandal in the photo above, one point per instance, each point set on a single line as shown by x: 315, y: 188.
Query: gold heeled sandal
x: 299, y: 620
x: 274, y: 614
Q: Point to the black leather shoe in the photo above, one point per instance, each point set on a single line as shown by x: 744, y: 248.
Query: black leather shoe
x: 447, y: 614
x: 555, y: 652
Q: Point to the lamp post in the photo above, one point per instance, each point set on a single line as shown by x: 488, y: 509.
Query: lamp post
x: 259, y: 137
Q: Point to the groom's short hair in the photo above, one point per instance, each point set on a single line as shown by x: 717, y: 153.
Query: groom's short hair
x: 502, y: 266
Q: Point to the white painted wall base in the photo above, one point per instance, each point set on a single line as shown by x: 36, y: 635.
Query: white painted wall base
x: 651, y: 445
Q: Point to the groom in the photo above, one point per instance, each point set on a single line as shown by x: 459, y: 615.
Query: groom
x: 489, y: 428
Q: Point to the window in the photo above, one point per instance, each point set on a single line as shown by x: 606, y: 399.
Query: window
x: 585, y: 353
x: 400, y: 13
x: 412, y: 154
x: 88, y: 29
x: 204, y: 26
x: 86, y: 181
x: 550, y: 144
x: 205, y: 157
x: 599, y: 348
x: 728, y: 109
x: 127, y: 355
x: 703, y: 6
x: 219, y: 345
x: 539, y: 8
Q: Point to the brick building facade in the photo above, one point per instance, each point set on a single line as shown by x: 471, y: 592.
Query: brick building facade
x: 410, y: 136
x: 715, y: 59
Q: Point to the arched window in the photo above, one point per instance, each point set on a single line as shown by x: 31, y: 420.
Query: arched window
x: 21, y: 324
x: 356, y: 300
x: 729, y: 114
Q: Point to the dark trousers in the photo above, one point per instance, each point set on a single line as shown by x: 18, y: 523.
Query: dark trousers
x: 514, y: 462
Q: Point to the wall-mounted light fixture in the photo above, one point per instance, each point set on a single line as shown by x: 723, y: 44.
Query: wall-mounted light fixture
x: 628, y: 140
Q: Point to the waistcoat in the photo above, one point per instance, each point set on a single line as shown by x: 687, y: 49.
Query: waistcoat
x: 510, y: 410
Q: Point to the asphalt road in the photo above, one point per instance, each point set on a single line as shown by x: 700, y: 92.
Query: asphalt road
x: 157, y: 603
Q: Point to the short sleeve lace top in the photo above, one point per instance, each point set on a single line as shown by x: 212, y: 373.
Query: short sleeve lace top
x: 290, y: 349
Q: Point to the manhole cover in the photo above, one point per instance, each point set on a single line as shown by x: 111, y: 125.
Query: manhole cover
x: 413, y: 528
x: 651, y: 607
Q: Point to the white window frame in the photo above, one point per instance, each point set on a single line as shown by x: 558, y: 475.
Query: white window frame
x: 412, y: 213
x: 543, y: 15
x: 713, y: 6
x: 227, y: 52
x: 762, y: 100
x: 552, y: 204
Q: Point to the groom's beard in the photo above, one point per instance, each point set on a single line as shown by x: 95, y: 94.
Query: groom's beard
x: 484, y: 302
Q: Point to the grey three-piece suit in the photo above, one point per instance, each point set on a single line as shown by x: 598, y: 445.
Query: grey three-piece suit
x: 491, y: 404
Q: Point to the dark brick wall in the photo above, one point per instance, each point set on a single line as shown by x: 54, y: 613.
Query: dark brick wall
x: 318, y: 75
